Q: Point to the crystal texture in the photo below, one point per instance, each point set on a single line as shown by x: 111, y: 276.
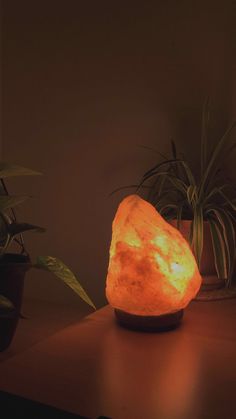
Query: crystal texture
x: 152, y: 270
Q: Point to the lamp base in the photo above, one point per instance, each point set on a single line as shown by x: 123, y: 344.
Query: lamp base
x: 149, y: 323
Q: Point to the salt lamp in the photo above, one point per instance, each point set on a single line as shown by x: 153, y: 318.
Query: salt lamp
x: 152, y: 273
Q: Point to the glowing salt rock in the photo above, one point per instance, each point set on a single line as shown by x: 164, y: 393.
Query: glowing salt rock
x: 152, y: 270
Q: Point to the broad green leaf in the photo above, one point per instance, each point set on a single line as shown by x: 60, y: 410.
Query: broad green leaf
x: 6, y: 307
x: 218, y: 248
x: 61, y: 271
x: 18, y: 228
x: 9, y: 170
x: 7, y: 201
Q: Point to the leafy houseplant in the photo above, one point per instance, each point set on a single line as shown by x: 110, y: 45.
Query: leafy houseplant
x: 206, y: 199
x: 13, y: 266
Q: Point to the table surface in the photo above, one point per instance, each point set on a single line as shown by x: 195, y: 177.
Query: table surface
x: 95, y: 367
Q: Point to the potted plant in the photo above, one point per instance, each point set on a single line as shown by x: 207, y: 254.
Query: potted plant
x: 202, y: 205
x: 14, y: 265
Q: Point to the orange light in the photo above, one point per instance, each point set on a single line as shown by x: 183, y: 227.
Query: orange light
x: 152, y: 270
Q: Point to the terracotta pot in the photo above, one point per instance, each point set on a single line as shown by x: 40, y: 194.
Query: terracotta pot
x: 12, y: 272
x: 207, y: 268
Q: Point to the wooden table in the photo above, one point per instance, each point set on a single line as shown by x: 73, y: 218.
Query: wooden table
x: 97, y: 368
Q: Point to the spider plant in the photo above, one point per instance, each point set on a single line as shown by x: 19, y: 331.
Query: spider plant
x: 11, y: 233
x: 179, y: 193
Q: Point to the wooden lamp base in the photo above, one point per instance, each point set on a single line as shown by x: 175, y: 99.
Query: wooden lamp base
x: 149, y: 323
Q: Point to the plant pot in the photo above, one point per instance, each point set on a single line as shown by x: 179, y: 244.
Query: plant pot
x: 12, y: 273
x: 210, y: 280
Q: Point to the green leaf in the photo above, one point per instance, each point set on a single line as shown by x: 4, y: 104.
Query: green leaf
x: 7, y: 201
x: 197, y: 234
x: 6, y: 307
x: 218, y: 248
x: 9, y: 170
x: 178, y: 183
x: 168, y: 196
x: 211, y: 167
x: 228, y: 233
x: 153, y: 190
x: 179, y: 216
x: 157, y: 189
x: 188, y: 172
x: 192, y: 195
x: 229, y: 150
x: 158, y: 166
x: 230, y: 202
x: 18, y: 228
x: 213, y: 193
x: 61, y: 271
x: 190, y: 238
x: 143, y: 180
x: 12, y: 229
x: 205, y: 123
x: 167, y: 208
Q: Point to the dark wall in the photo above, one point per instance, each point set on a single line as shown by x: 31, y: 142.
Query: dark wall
x: 0, y: 78
x: 85, y: 83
